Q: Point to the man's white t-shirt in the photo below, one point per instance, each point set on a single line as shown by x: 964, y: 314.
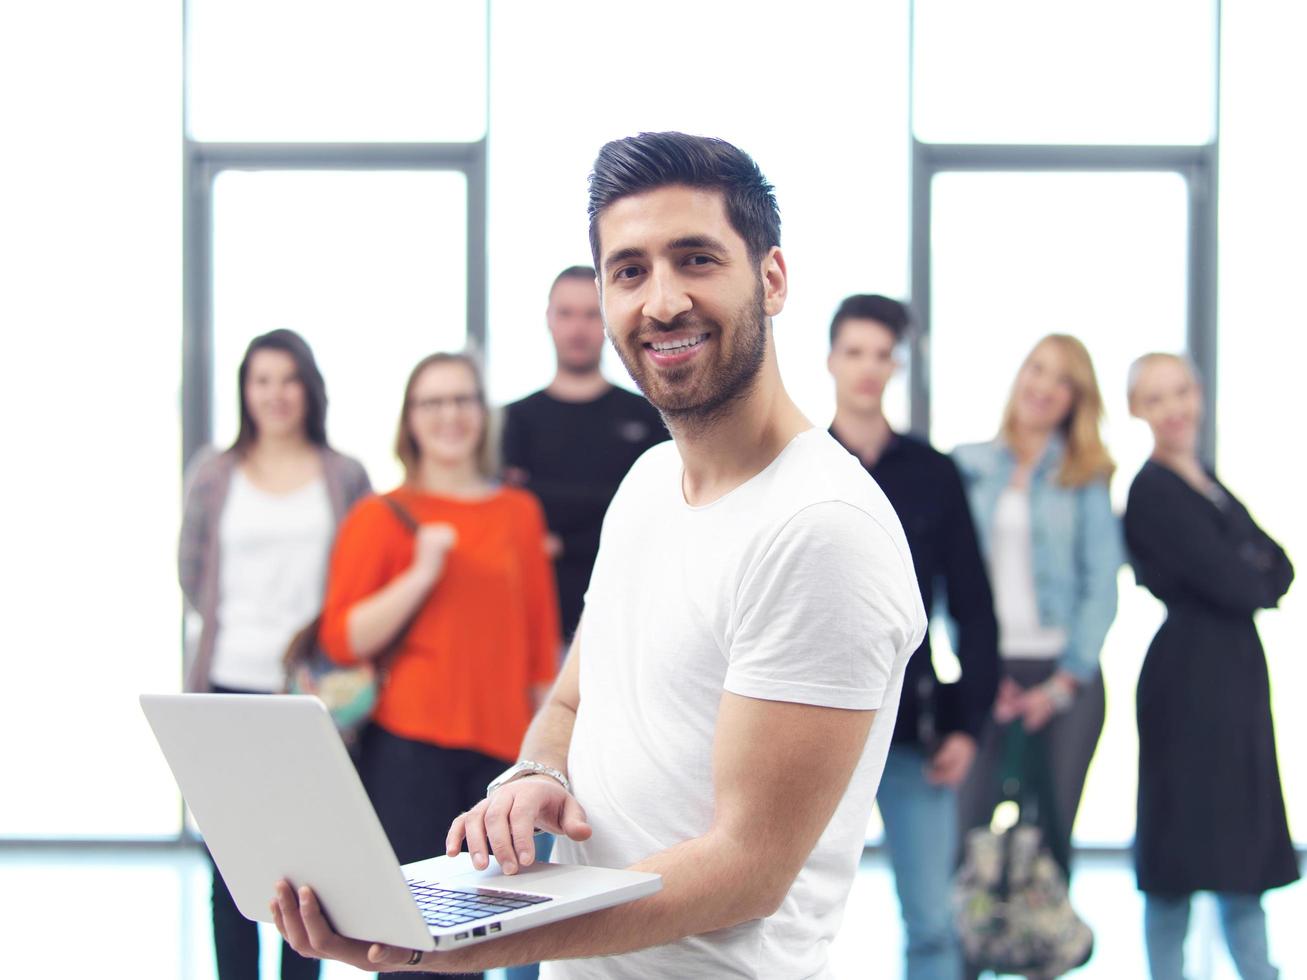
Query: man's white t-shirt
x: 796, y: 586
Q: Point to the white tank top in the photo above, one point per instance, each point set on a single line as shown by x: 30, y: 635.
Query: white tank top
x: 1012, y: 574
x: 273, y: 567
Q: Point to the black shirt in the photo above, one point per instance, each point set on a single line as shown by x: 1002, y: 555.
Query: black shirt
x: 926, y: 491
x: 574, y: 455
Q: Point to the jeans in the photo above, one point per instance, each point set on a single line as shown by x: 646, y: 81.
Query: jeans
x: 1166, y: 921
x: 921, y: 832
x: 529, y: 971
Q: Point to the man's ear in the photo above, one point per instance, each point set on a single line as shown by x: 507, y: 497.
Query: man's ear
x: 775, y: 281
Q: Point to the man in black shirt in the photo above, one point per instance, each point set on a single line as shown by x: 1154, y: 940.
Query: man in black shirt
x: 572, y: 443
x: 938, y: 724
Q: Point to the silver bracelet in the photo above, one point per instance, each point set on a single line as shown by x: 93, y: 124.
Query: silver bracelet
x: 528, y: 768
x: 1059, y: 695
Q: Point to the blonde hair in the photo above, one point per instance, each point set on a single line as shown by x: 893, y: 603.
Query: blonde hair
x: 1086, y: 459
x: 1144, y: 360
x: 406, y: 447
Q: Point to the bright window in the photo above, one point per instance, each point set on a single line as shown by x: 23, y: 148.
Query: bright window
x: 370, y: 267
x: 1099, y: 256
x: 1035, y: 71
x: 336, y: 70
x: 89, y: 393
x: 824, y: 114
x: 1262, y: 351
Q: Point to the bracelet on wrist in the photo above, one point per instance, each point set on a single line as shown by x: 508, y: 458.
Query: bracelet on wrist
x: 528, y: 767
x: 1061, y: 696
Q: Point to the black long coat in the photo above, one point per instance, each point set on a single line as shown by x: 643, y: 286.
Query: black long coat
x: 1211, y: 813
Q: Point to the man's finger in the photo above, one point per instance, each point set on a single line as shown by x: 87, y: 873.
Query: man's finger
x: 454, y: 839
x: 573, y: 823
x: 521, y: 823
x: 380, y: 954
x: 315, y: 923
x: 475, y: 830
x: 276, y: 918
x: 501, y: 840
x: 291, y: 925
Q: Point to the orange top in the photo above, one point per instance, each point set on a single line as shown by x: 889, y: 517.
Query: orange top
x: 487, y: 633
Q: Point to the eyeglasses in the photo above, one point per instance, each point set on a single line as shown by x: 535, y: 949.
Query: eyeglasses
x: 461, y: 403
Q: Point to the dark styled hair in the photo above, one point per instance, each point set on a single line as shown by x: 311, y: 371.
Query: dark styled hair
x: 889, y: 313
x: 406, y: 447
x: 652, y: 160
x: 585, y: 273
x: 306, y: 369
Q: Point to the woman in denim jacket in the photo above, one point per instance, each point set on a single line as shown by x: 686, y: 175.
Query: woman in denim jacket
x: 1039, y: 496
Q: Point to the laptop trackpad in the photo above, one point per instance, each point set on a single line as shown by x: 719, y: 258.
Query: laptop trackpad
x: 457, y: 872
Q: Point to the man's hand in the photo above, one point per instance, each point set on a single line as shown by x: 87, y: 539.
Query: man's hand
x: 952, y: 760
x: 301, y: 923
x: 505, y: 823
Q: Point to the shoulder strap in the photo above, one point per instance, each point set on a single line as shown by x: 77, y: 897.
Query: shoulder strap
x: 401, y: 513
x: 1027, y: 778
x: 410, y: 523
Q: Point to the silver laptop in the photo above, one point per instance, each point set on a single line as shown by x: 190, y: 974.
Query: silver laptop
x: 276, y: 796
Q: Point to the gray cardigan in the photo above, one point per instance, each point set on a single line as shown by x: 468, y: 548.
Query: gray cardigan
x: 205, y: 493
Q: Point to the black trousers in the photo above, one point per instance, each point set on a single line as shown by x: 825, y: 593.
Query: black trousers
x: 418, y: 789
x: 236, y: 938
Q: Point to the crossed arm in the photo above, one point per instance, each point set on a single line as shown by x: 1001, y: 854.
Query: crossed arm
x: 779, y: 771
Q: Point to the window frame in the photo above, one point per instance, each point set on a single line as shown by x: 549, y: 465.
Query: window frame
x: 203, y: 162
x: 1196, y: 165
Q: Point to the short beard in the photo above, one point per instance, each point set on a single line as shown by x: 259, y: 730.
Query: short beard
x: 738, y: 375
x: 579, y: 370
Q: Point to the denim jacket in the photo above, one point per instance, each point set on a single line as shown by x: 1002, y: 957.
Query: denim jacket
x: 1076, y: 539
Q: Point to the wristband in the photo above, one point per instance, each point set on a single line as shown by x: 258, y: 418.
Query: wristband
x: 1060, y: 696
x: 527, y: 768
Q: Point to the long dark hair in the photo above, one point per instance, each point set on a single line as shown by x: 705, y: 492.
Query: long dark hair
x: 310, y: 378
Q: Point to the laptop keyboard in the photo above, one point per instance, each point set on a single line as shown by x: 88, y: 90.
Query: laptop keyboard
x: 455, y: 906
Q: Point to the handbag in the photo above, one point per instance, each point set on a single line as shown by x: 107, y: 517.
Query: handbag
x: 1010, y: 901
x: 349, y: 693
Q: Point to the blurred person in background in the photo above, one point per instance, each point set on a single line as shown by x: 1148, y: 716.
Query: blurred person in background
x: 938, y: 725
x: 472, y: 594
x: 572, y: 442
x: 1211, y: 813
x: 1039, y: 497
x: 257, y: 527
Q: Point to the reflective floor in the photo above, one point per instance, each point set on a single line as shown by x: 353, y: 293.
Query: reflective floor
x: 120, y: 912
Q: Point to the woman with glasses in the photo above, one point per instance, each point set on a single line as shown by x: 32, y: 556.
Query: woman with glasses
x: 1211, y: 812
x: 257, y: 527
x: 470, y: 597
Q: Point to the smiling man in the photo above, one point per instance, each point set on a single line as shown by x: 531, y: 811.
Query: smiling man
x: 725, y: 712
